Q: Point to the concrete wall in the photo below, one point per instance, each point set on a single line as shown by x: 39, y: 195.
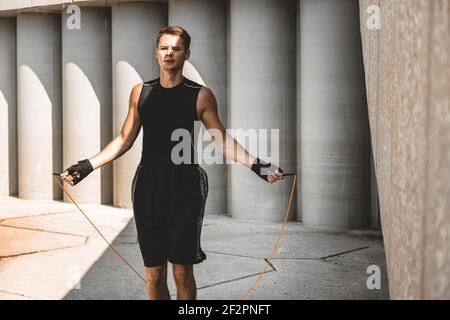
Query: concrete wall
x: 408, y: 84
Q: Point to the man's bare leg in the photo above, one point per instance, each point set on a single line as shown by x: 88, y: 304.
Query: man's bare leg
x: 185, y: 281
x: 157, y: 283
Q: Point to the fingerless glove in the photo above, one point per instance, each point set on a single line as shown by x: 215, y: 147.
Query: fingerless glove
x: 83, y: 167
x: 264, y: 169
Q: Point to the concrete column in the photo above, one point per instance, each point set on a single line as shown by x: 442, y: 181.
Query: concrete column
x: 8, y: 108
x: 39, y: 104
x: 335, y: 185
x: 134, y: 30
x: 87, y: 105
x: 205, y: 21
x: 263, y: 96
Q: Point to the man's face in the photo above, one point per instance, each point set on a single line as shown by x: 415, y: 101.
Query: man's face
x: 171, y: 53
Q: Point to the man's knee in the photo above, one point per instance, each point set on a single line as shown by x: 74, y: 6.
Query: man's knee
x: 182, y: 274
x: 157, y: 276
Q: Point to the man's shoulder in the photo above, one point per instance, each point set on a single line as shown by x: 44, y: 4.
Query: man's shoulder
x: 151, y: 83
x: 191, y: 84
x: 142, y: 87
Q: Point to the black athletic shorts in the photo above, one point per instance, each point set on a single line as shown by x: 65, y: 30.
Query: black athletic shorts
x: 169, y: 205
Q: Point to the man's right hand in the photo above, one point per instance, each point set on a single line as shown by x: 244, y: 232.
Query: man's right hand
x: 77, y: 172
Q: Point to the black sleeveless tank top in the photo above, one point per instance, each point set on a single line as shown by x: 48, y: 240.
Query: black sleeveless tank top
x: 163, y: 110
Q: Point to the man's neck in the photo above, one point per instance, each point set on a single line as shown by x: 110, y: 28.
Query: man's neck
x: 168, y: 79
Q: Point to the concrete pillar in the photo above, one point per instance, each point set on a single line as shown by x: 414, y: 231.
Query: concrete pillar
x: 87, y: 105
x: 335, y: 184
x: 8, y: 108
x: 39, y: 104
x: 134, y: 30
x: 205, y: 21
x: 263, y: 96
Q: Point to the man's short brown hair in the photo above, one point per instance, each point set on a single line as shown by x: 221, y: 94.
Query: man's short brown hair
x: 176, y: 31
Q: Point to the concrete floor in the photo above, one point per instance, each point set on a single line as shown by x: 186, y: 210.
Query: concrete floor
x: 50, y: 252
x: 310, y: 264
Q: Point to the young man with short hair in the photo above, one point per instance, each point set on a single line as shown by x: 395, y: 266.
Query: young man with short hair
x: 168, y: 198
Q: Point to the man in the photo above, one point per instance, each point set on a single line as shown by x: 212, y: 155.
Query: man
x: 168, y: 198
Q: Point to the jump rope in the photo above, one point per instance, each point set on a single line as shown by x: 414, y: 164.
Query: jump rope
x: 119, y: 255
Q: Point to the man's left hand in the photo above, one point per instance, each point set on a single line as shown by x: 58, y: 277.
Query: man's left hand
x: 267, y: 171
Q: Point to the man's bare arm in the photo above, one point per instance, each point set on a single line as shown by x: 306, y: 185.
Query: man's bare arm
x: 207, y: 106
x: 125, y: 139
